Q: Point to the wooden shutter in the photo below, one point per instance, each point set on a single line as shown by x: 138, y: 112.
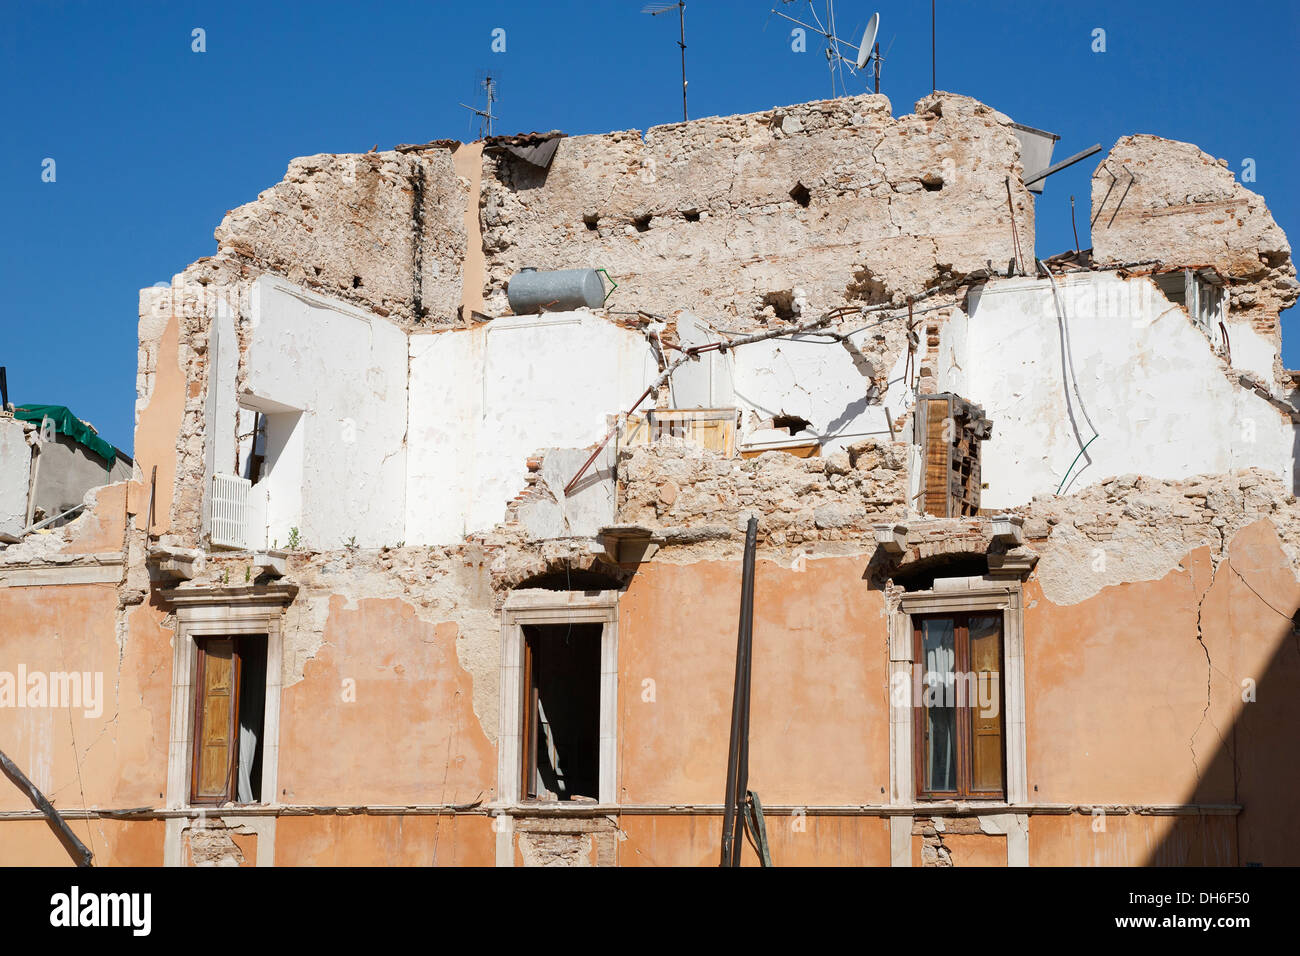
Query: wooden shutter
x: 216, y: 721
x: 938, y: 456
x: 985, y: 636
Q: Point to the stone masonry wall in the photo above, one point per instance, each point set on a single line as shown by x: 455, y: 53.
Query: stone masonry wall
x: 1155, y: 198
x: 726, y: 215
x: 385, y: 231
x: 690, y: 494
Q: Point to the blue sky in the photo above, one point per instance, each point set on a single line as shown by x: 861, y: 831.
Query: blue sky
x: 154, y: 142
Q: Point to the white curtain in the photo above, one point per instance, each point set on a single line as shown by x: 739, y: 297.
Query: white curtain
x: 552, y: 755
x: 247, y: 751
x: 940, y: 663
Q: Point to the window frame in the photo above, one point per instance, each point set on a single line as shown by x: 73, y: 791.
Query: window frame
x: 531, y: 725
x: 226, y: 612
x: 982, y: 595
x: 964, y: 733
x: 240, y: 644
x: 554, y: 607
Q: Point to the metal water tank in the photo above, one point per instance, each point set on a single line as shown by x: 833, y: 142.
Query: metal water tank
x: 559, y: 291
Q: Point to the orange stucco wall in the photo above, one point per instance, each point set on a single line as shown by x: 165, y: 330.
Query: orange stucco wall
x: 115, y: 759
x: 365, y: 840
x: 157, y: 429
x: 811, y: 840
x: 1117, y: 714
x: 1126, y: 706
x: 410, y: 735
x: 1132, y: 840
x: 819, y: 726
x: 113, y: 842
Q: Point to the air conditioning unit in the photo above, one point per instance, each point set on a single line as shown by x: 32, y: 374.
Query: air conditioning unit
x: 228, y: 504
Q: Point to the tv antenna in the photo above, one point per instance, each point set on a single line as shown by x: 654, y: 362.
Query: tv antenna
x: 866, y: 52
x: 486, y: 116
x: 654, y: 10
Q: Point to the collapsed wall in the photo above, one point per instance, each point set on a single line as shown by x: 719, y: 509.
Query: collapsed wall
x: 383, y: 230
x: 750, y: 221
x: 763, y: 218
x: 1170, y: 204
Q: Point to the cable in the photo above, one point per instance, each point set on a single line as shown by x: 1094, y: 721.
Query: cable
x: 1067, y: 368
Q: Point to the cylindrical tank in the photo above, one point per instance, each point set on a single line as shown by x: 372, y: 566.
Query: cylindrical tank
x: 560, y: 291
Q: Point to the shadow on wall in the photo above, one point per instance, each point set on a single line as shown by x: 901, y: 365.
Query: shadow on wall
x: 1254, y: 764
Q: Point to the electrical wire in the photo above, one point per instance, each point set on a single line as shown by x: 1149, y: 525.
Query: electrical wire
x: 1067, y: 369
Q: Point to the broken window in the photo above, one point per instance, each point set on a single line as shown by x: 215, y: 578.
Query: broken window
x: 229, y: 714
x: 561, y: 736
x: 949, y: 430
x: 1200, y: 293
x: 958, y: 713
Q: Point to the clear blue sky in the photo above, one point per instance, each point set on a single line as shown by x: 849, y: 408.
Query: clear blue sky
x: 154, y: 142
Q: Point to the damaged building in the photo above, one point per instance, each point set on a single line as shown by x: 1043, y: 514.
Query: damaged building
x: 444, y: 461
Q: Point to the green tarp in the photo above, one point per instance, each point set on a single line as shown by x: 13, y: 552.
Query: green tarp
x: 66, y: 423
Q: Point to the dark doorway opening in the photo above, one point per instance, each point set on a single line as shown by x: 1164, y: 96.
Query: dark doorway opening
x: 562, y: 711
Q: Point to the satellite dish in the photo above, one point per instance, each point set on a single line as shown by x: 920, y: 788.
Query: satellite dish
x: 868, y: 40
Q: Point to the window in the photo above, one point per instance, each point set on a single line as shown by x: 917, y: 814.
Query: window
x: 257, y: 453
x: 562, y: 712
x: 229, y: 716
x: 559, y: 695
x: 949, y: 431
x: 958, y: 711
x: 1200, y: 293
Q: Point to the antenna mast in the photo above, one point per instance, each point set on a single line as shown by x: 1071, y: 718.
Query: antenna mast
x: 654, y: 10
x: 486, y: 115
x: 868, y: 51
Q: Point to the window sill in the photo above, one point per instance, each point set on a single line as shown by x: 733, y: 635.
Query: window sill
x: 552, y: 808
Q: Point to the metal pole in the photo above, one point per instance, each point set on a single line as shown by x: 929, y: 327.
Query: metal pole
x: 877, y: 67
x: 1074, y: 227
x: 737, y: 751
x: 681, y: 11
x: 76, y: 849
x: 933, y: 83
x: 742, y: 755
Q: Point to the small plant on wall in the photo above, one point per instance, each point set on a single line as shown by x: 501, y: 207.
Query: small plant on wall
x: 295, y: 539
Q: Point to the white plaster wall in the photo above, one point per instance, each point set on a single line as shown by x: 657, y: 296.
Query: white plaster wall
x: 706, y: 382
x: 953, y: 347
x: 1147, y: 378
x: 15, y: 474
x: 814, y: 379
x: 483, y: 400
x: 227, y: 367
x: 345, y: 369
x: 220, y: 407
x: 1251, y: 352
